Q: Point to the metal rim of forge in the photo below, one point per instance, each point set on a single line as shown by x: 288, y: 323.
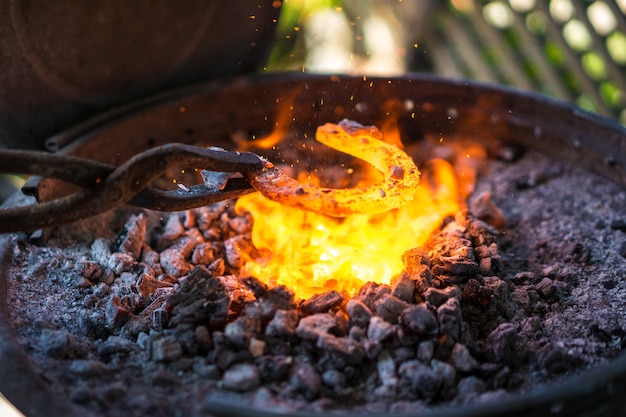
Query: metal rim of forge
x: 434, y: 104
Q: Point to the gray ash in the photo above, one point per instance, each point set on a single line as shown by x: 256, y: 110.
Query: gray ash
x: 156, y: 320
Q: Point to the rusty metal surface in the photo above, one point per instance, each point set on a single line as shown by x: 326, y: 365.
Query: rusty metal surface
x: 107, y: 187
x: 430, y: 105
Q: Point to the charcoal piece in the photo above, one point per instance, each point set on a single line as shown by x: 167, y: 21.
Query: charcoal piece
x: 469, y: 388
x: 115, y: 345
x: 484, y: 267
x: 314, y: 326
x: 203, y: 338
x: 173, y: 262
x: 420, y: 378
x: 165, y: 349
x: 121, y: 262
x: 283, y: 323
x: 350, y: 351
x: 186, y: 336
x: 241, y: 224
x: 403, y: 287
x: 481, y: 233
x: 89, y: 270
x: 454, y: 269
x: 130, y: 240
x: 462, y: 359
x: 147, y: 286
x: 389, y: 308
x: 237, y: 249
x: 557, y: 360
x: 386, y: 367
x: 273, y: 368
x: 358, y: 313
x: 450, y: 319
x: 241, y: 377
x: 203, y: 254
x: 87, y: 368
x: 277, y: 298
x: 423, y: 278
x: 379, y: 330
x: 435, y: 296
x: 240, y: 331
x: 372, y: 349
x: 152, y: 259
x: 404, y: 353
x: 418, y: 319
x: 333, y: 378
x: 476, y: 294
x: 205, y: 370
x: 448, y: 377
x: 59, y: 344
x: 425, y: 350
x: 225, y: 356
x: 217, y: 267
x: 172, y: 230
x: 484, y: 209
x: 482, y: 252
x: 546, y: 288
x: 501, y: 344
x: 101, y: 251
x: 305, y: 380
x: 414, y: 257
x: 116, y: 312
x: 371, y: 292
x: 320, y: 303
x: 201, y: 299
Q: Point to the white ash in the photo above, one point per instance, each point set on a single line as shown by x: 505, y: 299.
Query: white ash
x: 157, y: 322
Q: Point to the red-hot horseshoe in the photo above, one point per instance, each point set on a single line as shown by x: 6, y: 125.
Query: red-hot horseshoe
x: 363, y: 142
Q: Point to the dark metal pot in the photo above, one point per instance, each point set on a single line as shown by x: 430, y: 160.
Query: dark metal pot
x: 211, y: 113
x: 64, y: 61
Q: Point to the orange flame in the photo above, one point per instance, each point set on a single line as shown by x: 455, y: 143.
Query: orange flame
x: 311, y: 253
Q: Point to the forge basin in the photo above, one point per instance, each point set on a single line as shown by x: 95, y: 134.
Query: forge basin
x: 220, y: 114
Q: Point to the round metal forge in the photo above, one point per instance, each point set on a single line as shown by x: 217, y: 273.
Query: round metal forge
x: 211, y: 114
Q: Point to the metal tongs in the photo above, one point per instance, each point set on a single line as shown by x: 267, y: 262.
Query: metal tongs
x: 105, y: 187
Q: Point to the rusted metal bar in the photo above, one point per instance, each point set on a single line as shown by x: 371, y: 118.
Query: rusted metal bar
x: 106, y: 187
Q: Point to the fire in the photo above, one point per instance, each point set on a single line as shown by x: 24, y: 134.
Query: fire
x: 312, y: 253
